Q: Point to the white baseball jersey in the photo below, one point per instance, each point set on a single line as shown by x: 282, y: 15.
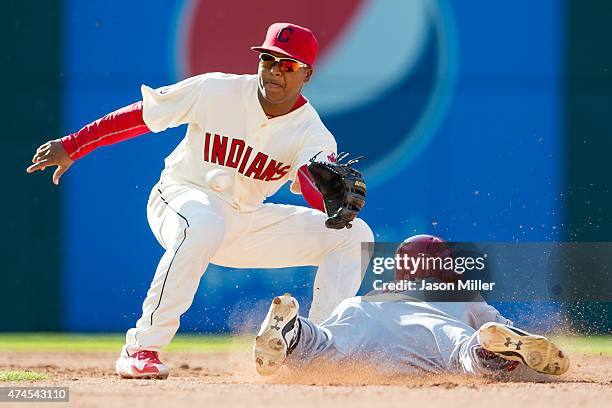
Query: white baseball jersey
x: 230, y: 137
x: 228, y: 129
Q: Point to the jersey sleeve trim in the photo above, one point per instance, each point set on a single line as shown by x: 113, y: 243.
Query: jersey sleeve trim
x: 309, y: 190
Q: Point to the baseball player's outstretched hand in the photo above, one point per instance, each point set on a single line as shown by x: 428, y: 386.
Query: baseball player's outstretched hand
x: 49, y: 154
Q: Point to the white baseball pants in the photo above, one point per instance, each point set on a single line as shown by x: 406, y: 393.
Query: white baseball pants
x: 318, y: 342
x: 401, y: 338
x: 196, y: 227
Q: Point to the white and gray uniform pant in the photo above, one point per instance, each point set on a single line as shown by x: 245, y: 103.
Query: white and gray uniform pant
x: 196, y: 227
x: 401, y: 337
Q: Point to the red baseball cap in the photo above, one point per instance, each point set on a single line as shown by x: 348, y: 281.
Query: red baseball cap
x: 291, y: 40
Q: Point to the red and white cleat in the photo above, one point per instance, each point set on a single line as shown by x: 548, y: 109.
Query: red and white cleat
x: 143, y: 364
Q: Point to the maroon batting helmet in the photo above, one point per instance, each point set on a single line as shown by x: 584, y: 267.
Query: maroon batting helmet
x: 423, y: 256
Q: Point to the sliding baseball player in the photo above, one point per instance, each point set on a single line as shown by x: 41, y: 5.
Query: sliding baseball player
x: 397, y: 334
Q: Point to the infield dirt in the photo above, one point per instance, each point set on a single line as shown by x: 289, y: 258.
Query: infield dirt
x: 228, y: 380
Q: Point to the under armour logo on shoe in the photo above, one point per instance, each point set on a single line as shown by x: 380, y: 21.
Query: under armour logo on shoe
x: 278, y: 319
x: 509, y: 342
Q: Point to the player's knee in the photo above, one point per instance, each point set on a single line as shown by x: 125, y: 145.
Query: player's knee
x: 361, y: 231
x: 205, y: 233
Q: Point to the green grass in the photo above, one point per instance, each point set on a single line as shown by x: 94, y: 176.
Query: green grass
x: 64, y: 342
x: 593, y: 345
x: 21, y: 376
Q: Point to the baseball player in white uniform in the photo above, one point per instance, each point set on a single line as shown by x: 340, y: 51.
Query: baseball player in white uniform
x: 247, y: 135
x: 399, y: 334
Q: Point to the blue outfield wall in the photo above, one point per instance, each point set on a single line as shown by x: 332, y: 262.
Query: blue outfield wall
x: 463, y: 130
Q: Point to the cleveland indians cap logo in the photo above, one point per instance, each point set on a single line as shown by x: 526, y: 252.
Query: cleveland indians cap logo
x: 282, y: 37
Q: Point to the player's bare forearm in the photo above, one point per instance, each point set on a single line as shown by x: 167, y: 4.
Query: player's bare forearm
x: 50, y: 154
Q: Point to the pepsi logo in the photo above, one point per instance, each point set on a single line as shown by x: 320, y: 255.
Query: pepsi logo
x: 383, y: 78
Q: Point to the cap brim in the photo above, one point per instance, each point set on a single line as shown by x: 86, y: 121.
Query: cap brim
x: 277, y: 50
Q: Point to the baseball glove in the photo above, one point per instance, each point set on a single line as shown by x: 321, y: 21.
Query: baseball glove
x: 342, y: 187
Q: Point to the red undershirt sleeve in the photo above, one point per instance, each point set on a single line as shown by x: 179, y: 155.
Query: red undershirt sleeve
x: 311, y: 194
x: 122, y: 124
